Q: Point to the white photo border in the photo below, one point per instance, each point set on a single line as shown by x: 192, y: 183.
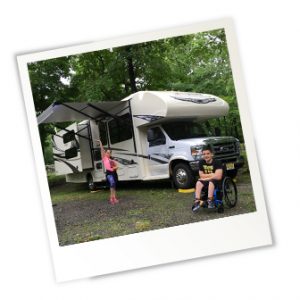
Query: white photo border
x: 164, y: 245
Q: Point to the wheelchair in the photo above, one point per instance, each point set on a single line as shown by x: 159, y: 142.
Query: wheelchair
x: 224, y: 196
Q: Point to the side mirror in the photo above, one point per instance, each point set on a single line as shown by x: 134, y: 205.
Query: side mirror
x: 70, y: 153
x: 150, y: 135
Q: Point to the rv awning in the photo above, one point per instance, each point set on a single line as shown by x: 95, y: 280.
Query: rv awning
x: 63, y: 112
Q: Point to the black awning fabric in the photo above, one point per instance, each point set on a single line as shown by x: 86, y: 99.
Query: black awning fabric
x: 64, y: 112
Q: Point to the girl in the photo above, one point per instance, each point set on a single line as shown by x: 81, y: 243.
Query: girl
x: 111, y: 172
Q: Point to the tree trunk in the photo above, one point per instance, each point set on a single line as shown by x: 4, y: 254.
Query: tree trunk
x: 130, y: 69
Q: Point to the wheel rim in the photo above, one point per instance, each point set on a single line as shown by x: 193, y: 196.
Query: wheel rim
x: 230, y: 193
x: 181, y: 176
x: 91, y: 183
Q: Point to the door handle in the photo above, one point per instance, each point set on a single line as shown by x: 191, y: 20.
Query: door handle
x: 171, y: 147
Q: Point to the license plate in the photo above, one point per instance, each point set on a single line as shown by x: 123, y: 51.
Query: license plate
x: 230, y: 166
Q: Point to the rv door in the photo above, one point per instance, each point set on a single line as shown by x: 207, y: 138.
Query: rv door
x: 157, y: 152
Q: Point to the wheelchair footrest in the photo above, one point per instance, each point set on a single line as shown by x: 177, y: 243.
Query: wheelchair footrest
x: 218, y: 207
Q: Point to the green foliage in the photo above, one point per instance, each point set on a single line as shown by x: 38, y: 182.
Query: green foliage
x: 194, y: 63
x: 48, y: 152
x: 54, y: 180
x: 46, y: 78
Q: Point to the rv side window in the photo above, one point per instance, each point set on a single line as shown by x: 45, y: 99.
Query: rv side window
x: 155, y: 137
x: 120, y: 129
x: 69, y: 136
x: 103, y: 132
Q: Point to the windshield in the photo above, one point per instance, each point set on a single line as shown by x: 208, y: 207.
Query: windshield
x: 185, y: 130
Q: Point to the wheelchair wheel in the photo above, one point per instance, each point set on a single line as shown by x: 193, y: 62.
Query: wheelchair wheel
x: 229, y: 192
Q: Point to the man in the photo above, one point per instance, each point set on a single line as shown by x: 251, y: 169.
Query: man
x: 210, y: 176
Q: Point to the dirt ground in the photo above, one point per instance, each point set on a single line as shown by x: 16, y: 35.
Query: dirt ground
x: 81, y: 216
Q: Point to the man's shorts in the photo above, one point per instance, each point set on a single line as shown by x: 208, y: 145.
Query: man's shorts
x: 111, y: 179
x: 217, y: 183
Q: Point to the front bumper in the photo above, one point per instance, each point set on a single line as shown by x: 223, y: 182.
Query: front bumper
x: 238, y: 163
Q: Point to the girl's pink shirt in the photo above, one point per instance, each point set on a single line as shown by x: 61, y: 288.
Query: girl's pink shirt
x: 106, y: 162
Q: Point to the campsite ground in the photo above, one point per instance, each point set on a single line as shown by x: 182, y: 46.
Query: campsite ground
x: 82, y: 216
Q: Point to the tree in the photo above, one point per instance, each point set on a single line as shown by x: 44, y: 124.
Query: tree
x: 46, y: 78
x: 193, y: 63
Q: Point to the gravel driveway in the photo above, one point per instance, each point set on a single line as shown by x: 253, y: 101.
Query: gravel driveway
x: 81, y: 216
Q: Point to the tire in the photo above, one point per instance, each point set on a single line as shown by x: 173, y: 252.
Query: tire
x: 183, y: 177
x: 91, y: 183
x: 229, y: 192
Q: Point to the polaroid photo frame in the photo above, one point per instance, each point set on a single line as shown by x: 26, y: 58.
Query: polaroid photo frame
x: 166, y: 245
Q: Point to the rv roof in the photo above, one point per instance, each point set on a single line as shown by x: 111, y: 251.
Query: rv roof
x: 147, y: 106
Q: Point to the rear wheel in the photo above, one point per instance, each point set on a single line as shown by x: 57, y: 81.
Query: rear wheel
x: 183, y: 176
x: 229, y: 192
x: 91, y: 183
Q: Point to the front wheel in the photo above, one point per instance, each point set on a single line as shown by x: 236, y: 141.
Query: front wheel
x: 183, y: 176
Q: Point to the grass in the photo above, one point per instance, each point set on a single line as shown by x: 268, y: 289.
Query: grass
x: 82, y: 216
x: 54, y: 180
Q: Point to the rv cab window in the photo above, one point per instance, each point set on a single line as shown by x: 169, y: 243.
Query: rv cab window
x: 155, y: 137
x: 185, y: 130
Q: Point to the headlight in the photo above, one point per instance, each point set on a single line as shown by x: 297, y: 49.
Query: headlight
x: 237, y: 147
x: 196, y: 152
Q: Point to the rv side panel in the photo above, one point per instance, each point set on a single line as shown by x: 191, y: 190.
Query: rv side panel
x: 61, y: 146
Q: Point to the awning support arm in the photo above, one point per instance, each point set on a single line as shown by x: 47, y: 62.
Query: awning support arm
x: 103, y: 111
x: 70, y: 107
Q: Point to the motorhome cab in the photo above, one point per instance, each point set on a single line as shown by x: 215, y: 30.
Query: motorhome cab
x: 153, y: 136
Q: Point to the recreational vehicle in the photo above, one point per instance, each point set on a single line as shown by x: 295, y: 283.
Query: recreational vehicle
x: 152, y: 135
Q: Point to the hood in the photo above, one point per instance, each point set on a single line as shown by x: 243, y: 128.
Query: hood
x: 209, y: 140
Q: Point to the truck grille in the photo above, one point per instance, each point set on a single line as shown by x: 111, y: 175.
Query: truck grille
x: 224, y: 150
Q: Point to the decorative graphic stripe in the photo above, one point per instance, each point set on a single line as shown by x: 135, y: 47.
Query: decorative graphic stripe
x: 125, y: 161
x: 74, y: 169
x: 63, y: 157
x: 146, y: 157
x: 148, y: 118
x: 167, y: 156
x: 116, y: 149
x: 59, y: 155
x: 195, y: 100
